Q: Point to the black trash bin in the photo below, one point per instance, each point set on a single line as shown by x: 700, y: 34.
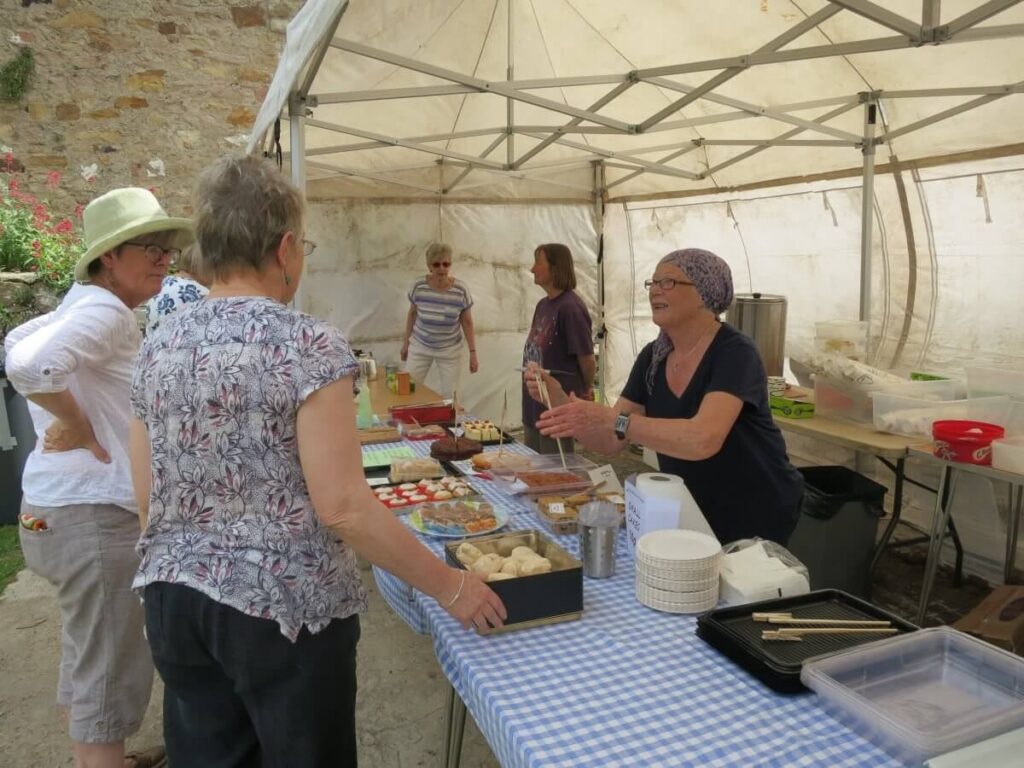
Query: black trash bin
x: 16, y: 443
x: 835, y: 535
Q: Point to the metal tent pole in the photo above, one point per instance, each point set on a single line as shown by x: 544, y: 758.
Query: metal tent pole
x: 602, y: 360
x: 297, y: 142
x: 867, y: 209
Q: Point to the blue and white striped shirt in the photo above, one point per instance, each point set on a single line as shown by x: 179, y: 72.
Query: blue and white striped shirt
x: 438, y: 312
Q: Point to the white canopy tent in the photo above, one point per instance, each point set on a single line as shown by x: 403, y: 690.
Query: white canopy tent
x: 863, y: 159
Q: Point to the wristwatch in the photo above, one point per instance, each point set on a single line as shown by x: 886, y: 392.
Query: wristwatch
x: 621, y: 425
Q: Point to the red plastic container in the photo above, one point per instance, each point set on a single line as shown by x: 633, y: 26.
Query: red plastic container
x: 424, y: 414
x: 967, y: 441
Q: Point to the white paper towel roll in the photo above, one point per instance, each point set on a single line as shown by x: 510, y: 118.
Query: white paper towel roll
x: 656, y: 500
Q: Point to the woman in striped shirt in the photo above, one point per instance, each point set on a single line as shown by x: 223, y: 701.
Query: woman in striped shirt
x: 439, y: 316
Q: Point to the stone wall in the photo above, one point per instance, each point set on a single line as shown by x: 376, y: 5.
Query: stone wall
x: 134, y: 92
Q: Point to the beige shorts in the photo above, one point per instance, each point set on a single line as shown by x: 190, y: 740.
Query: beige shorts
x: 106, y: 672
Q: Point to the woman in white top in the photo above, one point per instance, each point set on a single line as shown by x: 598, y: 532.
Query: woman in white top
x: 439, y: 316
x: 74, y: 365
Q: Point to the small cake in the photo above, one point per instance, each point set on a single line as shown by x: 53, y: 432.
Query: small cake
x: 407, y: 487
x: 453, y: 449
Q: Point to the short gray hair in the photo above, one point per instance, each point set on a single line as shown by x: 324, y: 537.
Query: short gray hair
x: 244, y: 206
x: 438, y: 250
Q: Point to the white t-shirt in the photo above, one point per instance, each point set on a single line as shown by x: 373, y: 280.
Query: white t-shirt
x: 88, y: 345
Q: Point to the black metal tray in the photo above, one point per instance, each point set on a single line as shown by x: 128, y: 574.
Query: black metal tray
x: 734, y: 632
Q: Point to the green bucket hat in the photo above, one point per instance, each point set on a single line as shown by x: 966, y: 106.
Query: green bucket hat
x: 120, y: 215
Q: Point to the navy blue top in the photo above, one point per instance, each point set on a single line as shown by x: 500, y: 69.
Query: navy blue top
x: 748, y: 488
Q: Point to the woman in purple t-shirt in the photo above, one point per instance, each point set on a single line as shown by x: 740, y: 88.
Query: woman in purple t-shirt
x: 560, y: 338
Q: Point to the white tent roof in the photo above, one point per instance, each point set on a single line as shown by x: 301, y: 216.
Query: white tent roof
x: 497, y: 99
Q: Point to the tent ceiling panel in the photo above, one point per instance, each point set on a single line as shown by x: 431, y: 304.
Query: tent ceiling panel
x: 640, y: 85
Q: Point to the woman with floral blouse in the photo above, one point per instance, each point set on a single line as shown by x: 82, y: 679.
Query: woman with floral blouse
x: 246, y: 460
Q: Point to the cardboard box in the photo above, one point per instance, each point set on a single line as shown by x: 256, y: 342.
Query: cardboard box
x: 998, y: 619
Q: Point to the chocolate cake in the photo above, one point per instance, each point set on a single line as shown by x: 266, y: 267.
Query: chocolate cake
x: 452, y: 449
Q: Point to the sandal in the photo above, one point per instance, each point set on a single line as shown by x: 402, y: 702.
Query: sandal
x: 154, y: 757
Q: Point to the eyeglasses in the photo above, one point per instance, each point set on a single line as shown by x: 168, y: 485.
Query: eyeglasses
x: 437, y: 264
x: 665, y: 283
x: 308, y: 246
x: 155, y: 253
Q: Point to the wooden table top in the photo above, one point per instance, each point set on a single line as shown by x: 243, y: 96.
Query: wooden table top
x: 861, y: 438
x: 382, y: 398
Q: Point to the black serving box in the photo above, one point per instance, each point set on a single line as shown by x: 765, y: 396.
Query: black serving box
x: 545, y: 598
x: 734, y: 632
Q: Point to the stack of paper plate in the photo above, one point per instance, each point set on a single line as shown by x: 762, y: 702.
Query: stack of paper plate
x: 677, y: 570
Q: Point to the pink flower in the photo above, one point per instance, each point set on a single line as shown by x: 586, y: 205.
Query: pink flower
x: 12, y: 185
x: 64, y: 226
x: 53, y: 179
x: 79, y: 209
x: 37, y: 247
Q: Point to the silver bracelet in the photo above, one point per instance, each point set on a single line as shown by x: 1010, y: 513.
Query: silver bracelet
x: 458, y: 594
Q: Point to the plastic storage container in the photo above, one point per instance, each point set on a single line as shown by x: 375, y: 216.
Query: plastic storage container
x: 835, y: 534
x: 1008, y: 454
x: 982, y: 382
x: 922, y: 694
x: 848, y: 338
x: 845, y: 400
x: 914, y: 416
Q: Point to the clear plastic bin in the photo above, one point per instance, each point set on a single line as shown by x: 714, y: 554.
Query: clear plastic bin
x: 913, y: 416
x: 844, y: 400
x: 848, y: 338
x: 983, y: 382
x: 1008, y: 454
x: 922, y: 694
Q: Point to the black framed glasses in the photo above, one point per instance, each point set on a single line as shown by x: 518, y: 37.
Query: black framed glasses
x: 437, y: 264
x: 665, y: 283
x: 308, y: 246
x: 155, y: 253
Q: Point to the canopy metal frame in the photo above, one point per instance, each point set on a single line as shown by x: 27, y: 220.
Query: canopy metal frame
x: 930, y: 29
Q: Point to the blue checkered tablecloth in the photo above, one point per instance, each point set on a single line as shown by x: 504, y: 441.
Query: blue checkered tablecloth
x: 624, y: 686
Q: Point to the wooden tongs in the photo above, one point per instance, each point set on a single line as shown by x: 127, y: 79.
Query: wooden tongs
x: 793, y: 630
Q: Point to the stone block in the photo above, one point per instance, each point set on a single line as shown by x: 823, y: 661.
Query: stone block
x: 250, y: 75
x: 248, y: 16
x: 37, y: 110
x: 78, y: 19
x: 131, y: 102
x: 68, y: 112
x: 188, y: 139
x: 48, y: 161
x: 167, y: 28
x: 218, y: 69
x: 104, y: 114
x: 149, y: 80
x: 241, y: 117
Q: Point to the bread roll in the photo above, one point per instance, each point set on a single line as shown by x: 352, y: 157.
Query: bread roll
x: 467, y: 554
x: 534, y: 566
x: 511, y: 567
x: 488, y: 564
x: 499, y: 576
x: 523, y: 553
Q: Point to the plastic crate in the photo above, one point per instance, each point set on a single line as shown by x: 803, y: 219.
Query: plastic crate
x: 914, y: 416
x: 922, y: 694
x: 983, y: 382
x: 839, y: 399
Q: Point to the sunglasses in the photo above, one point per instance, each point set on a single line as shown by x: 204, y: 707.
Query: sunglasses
x: 437, y: 264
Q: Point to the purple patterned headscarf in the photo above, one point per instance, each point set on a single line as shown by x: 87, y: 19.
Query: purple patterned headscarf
x: 711, y: 277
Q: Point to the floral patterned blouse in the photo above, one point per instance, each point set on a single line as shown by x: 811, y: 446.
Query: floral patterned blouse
x: 219, y: 385
x: 175, y: 292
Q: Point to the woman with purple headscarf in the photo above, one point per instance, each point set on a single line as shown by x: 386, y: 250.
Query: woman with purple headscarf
x: 698, y: 396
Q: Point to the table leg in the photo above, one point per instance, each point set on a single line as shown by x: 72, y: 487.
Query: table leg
x: 940, y: 520
x: 958, y: 566
x: 1012, y: 529
x: 455, y: 726
x: 897, y: 506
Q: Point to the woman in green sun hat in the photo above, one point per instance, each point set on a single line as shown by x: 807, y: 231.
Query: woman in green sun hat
x: 74, y: 365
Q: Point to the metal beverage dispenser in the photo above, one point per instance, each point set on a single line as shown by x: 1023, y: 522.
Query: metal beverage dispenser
x: 762, y: 317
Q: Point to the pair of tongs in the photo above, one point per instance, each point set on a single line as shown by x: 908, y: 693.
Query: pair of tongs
x: 794, y: 630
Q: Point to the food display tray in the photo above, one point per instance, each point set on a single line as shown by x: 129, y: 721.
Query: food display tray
x: 734, y: 632
x: 508, y: 439
x: 544, y: 598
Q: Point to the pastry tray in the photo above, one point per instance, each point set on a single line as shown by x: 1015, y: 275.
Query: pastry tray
x: 734, y: 632
x: 507, y: 440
